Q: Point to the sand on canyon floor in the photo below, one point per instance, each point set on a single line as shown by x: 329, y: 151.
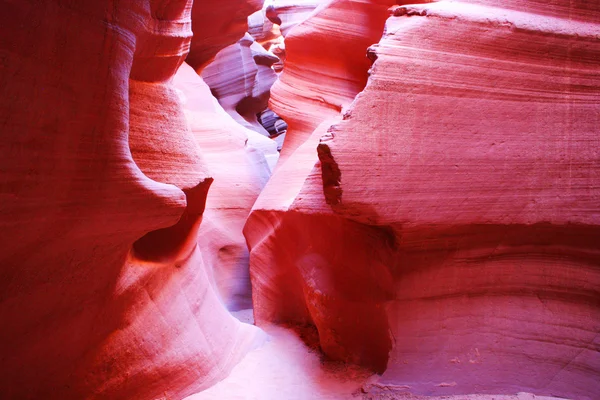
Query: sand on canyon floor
x: 285, y: 368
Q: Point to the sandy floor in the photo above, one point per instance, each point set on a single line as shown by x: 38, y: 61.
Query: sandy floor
x: 286, y: 369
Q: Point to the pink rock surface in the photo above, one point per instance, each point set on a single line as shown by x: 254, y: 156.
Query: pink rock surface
x: 436, y: 222
x: 216, y: 25
x: 240, y: 160
x: 277, y: 236
x: 289, y: 13
x: 278, y: 17
x: 325, y: 66
x: 285, y: 368
x: 449, y: 234
x: 490, y: 184
x: 240, y: 77
x: 104, y: 293
x: 242, y: 74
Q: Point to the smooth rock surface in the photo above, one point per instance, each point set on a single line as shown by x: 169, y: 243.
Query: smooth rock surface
x: 448, y: 233
x: 240, y: 77
x: 103, y: 291
x: 289, y: 13
x: 290, y: 293
x: 240, y: 160
x: 216, y: 25
x: 433, y: 218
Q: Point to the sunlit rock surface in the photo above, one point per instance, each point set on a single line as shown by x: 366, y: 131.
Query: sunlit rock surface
x: 289, y: 13
x: 242, y: 74
x: 241, y: 78
x: 447, y: 237
x: 240, y: 160
x: 103, y: 292
x: 433, y: 217
x: 298, y: 244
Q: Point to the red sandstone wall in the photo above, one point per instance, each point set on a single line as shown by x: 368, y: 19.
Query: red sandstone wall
x: 448, y: 234
x: 434, y: 219
x: 103, y: 291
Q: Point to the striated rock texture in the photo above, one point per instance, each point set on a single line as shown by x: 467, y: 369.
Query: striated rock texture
x: 103, y: 291
x: 325, y: 65
x: 242, y: 74
x: 279, y: 237
x: 240, y: 78
x: 437, y: 223
x: 447, y: 237
x: 240, y: 160
x: 289, y: 13
x: 278, y: 17
x: 216, y: 25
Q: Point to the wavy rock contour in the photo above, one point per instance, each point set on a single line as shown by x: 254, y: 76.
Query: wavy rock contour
x: 104, y: 293
x: 447, y: 237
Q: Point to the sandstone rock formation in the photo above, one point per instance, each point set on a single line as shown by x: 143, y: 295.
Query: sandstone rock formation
x: 325, y: 66
x: 242, y: 74
x: 448, y: 234
x: 277, y: 235
x: 104, y: 293
x: 433, y: 217
x: 241, y: 78
x: 289, y: 13
x: 217, y: 24
x: 240, y: 161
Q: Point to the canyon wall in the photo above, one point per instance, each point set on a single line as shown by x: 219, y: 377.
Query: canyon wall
x: 440, y: 226
x: 104, y: 291
x: 241, y: 77
x: 240, y: 161
x: 433, y: 215
x: 216, y: 26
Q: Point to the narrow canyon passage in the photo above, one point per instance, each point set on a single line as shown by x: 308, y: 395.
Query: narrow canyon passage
x: 300, y: 199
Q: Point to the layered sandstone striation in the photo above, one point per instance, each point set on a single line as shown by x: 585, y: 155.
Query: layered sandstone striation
x: 241, y: 78
x: 242, y: 74
x: 217, y: 24
x: 240, y: 161
x: 325, y: 65
x: 433, y: 217
x: 277, y: 235
x: 288, y: 13
x: 447, y: 235
x: 104, y: 292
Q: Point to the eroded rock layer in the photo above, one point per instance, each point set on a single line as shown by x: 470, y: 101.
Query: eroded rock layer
x: 322, y: 96
x: 448, y: 234
x: 103, y: 291
x: 436, y: 222
x: 240, y: 160
x: 325, y: 65
x: 216, y: 26
x: 241, y: 77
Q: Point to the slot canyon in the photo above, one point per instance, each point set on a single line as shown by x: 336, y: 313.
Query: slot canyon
x: 300, y: 199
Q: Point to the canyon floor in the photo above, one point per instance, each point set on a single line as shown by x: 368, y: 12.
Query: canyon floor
x: 287, y: 368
